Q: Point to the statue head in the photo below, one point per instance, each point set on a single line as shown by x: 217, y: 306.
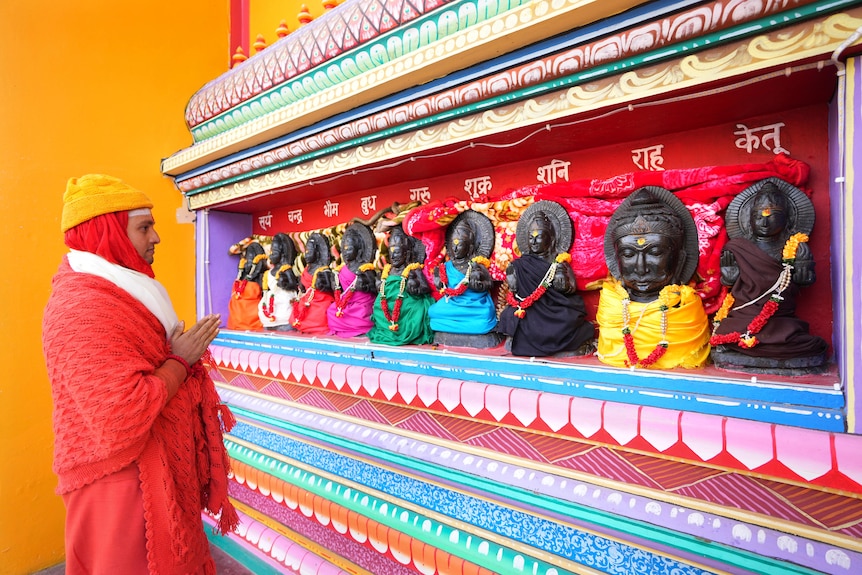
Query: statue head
x: 541, y: 237
x: 545, y: 230
x: 255, y: 264
x: 469, y: 235
x: 650, y: 243
x: 769, y: 213
x: 462, y: 241
x: 317, y: 251
x: 357, y: 245
x: 400, y: 248
x: 769, y: 210
x: 350, y: 247
x: 282, y: 251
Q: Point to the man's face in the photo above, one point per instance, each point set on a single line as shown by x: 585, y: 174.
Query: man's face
x: 142, y: 232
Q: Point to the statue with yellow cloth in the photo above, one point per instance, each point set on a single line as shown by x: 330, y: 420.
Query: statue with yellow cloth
x: 280, y: 285
x: 648, y: 316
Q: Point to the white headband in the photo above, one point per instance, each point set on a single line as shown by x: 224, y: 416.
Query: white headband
x: 140, y: 212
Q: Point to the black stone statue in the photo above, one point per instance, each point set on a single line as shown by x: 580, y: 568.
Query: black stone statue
x: 765, y: 263
x: 544, y: 315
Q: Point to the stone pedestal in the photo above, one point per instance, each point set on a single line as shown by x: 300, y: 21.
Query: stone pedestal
x: 725, y: 358
x: 479, y: 341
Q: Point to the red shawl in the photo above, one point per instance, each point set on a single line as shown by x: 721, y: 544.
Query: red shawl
x: 102, y: 347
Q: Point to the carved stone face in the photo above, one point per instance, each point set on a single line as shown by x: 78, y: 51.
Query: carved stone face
x: 276, y: 252
x: 768, y: 216
x: 647, y: 263
x: 399, y: 250
x: 463, y: 241
x: 350, y: 248
x: 311, y: 249
x: 541, y: 236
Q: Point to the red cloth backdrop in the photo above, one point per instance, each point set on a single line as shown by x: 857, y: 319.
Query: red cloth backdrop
x: 705, y: 191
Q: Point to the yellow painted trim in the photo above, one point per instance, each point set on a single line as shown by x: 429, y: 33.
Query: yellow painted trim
x: 850, y: 312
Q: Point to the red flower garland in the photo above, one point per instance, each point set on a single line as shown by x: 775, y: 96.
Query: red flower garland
x: 269, y: 309
x: 239, y: 288
x: 451, y: 292
x: 392, y: 317
x: 523, y: 304
x: 628, y: 339
x: 341, y: 301
x: 748, y: 338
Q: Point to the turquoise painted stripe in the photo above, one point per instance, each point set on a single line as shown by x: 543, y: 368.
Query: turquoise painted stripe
x: 752, y: 28
x: 247, y: 558
x: 629, y: 527
x: 818, y: 408
x: 403, y: 39
x: 467, y: 546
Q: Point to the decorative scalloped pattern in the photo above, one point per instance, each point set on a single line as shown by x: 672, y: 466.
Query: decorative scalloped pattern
x: 371, y: 545
x: 383, y: 498
x: 353, y: 24
x: 604, y: 52
x: 806, y: 40
x: 697, y: 438
x: 494, y: 464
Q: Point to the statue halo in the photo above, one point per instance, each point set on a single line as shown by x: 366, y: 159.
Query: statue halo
x: 559, y: 218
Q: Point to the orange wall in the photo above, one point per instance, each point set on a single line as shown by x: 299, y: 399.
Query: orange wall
x: 266, y: 15
x: 85, y: 86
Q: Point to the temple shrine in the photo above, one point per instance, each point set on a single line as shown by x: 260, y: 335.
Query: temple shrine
x: 356, y: 457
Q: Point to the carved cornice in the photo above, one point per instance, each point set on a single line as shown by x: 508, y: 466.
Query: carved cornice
x: 464, y: 33
x: 803, y: 42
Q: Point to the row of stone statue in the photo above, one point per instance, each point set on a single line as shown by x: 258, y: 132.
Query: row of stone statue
x: 648, y: 315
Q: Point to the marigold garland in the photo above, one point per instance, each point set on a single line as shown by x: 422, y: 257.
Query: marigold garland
x: 749, y: 339
x: 392, y: 317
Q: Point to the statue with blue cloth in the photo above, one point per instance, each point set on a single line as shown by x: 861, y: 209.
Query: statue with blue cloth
x: 465, y: 313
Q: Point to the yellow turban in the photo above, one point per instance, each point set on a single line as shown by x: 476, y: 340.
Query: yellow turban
x: 96, y: 194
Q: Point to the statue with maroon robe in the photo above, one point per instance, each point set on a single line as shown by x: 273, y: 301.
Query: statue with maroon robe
x: 765, y: 263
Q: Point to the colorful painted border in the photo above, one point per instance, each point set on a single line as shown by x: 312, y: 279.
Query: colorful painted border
x: 611, y: 54
x: 600, y: 502
x: 546, y: 105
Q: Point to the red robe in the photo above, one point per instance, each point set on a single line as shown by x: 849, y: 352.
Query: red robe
x: 102, y: 349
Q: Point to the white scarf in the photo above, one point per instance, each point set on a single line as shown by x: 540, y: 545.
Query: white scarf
x: 142, y: 287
